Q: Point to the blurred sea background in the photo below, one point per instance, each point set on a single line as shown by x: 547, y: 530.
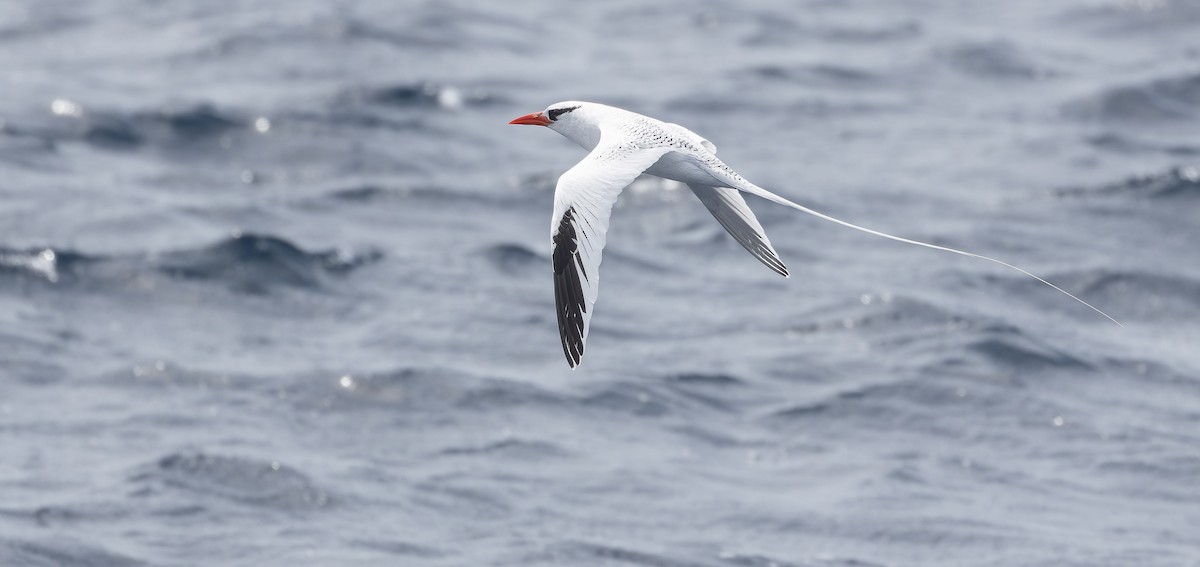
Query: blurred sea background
x: 275, y: 286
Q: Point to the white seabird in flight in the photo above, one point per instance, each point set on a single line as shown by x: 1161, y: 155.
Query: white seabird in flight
x: 622, y: 146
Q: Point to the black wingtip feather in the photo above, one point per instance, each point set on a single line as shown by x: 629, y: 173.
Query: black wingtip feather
x: 568, y: 290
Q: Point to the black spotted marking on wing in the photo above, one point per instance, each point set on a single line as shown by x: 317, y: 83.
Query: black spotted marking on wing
x: 568, y: 289
x: 554, y: 113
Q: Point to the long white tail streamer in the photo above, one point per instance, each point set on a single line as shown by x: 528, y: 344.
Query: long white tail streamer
x: 756, y: 190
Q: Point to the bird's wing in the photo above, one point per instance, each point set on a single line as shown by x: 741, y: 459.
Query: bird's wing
x: 731, y: 211
x: 582, y: 203
x: 693, y: 136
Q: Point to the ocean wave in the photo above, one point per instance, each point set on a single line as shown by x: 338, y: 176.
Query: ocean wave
x: 39, y: 264
x: 254, y: 263
x: 716, y: 392
x: 1124, y: 144
x: 993, y: 59
x: 1011, y: 349
x: 1176, y: 183
x: 445, y: 27
x: 872, y: 404
x: 28, y: 150
x: 1159, y: 374
x: 671, y: 394
x: 626, y: 399
x: 1145, y: 295
x: 430, y: 95
x: 1164, y: 478
x: 694, y: 379
x: 61, y: 551
x: 393, y: 547
x: 1164, y: 100
x: 808, y: 104
x: 249, y: 263
x: 587, y: 553
x: 1124, y: 294
x: 389, y: 107
x: 58, y: 515
x: 1132, y: 18
x: 759, y: 560
x: 820, y: 74
x: 781, y: 29
x: 512, y: 449
x: 243, y: 480
x: 364, y: 194
x: 420, y: 390
x: 200, y: 120
x: 515, y: 259
x: 907, y: 319
x: 933, y: 385
x: 368, y: 194
x: 168, y: 128
x: 449, y: 497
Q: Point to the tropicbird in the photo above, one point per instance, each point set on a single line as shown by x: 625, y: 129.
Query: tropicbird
x: 623, y: 145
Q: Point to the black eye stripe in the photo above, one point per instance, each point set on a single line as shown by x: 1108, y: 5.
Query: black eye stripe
x: 554, y: 113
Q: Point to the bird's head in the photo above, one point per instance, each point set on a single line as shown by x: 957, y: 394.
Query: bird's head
x: 573, y: 119
x: 559, y: 111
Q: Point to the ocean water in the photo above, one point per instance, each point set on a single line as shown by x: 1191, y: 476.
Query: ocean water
x: 275, y: 287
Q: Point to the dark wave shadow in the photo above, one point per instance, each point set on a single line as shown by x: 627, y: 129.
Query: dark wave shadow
x: 254, y: 263
x: 1173, y: 185
x: 509, y: 449
x: 246, y: 263
x: 588, y: 553
x: 818, y: 75
x: 419, y: 390
x: 242, y: 480
x: 1122, y: 143
x: 515, y: 259
x: 1001, y: 60
x: 1010, y: 348
x: 1165, y: 100
x: 61, y: 552
x: 166, y: 128
x: 1125, y: 294
x: 783, y: 29
x: 429, y: 95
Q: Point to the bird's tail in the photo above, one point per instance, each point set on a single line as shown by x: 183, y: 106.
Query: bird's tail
x: 753, y: 189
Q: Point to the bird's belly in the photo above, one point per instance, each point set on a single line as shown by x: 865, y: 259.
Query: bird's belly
x: 682, y: 168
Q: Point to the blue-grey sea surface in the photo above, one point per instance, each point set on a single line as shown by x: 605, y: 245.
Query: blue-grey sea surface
x: 275, y: 286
